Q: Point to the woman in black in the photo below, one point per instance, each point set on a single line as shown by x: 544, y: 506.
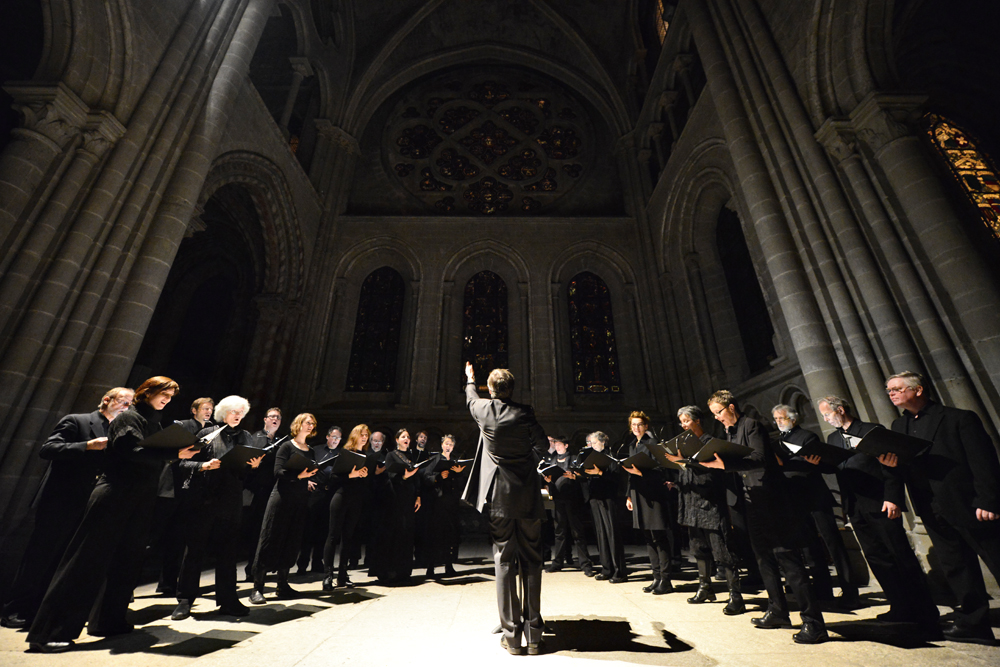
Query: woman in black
x: 702, y: 508
x: 604, y: 493
x: 395, y: 556
x: 215, y: 493
x: 347, y: 493
x: 285, y: 516
x: 445, y: 488
x: 647, y: 500
x: 108, y: 546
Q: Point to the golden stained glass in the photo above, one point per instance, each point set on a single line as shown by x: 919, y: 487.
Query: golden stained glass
x: 661, y: 24
x: 973, y: 169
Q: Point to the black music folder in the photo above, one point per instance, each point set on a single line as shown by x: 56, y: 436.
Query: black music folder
x: 684, y: 445
x: 828, y: 454
x: 640, y: 461
x: 598, y: 460
x: 724, y: 448
x: 881, y: 440
x: 239, y: 456
x: 174, y: 436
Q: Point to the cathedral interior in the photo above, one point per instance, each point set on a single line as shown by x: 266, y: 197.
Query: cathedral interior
x: 330, y: 206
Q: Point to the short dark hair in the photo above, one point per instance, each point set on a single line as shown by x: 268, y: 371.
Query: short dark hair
x: 725, y: 398
x: 198, y: 402
x: 335, y: 428
x: 500, y: 383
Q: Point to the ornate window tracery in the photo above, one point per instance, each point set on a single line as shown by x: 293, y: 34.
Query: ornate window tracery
x: 592, y: 336
x: 972, y: 168
x: 510, y: 143
x: 375, y: 349
x: 484, y: 324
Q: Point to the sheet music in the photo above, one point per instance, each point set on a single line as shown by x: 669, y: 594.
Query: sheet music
x: 794, y: 449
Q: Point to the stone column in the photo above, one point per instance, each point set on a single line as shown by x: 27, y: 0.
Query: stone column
x: 703, y: 318
x: 968, y: 298
x: 820, y: 366
x: 301, y: 69
x: 448, y: 343
x: 683, y: 390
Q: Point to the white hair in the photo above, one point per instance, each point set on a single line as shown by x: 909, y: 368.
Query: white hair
x: 790, y: 412
x: 230, y: 404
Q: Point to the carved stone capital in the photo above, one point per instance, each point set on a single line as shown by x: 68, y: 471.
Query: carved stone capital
x: 837, y: 136
x: 337, y: 136
x: 53, y: 111
x: 102, y: 131
x: 882, y: 118
x: 301, y: 66
x: 668, y: 98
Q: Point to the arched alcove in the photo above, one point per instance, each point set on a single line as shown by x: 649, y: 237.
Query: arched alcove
x: 21, y: 42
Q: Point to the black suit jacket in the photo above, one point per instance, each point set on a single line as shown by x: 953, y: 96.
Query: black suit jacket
x: 960, y: 472
x: 74, y: 470
x: 864, y: 482
x: 511, y: 443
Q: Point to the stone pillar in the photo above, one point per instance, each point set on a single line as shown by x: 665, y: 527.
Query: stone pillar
x: 526, y: 345
x: 820, y: 365
x: 669, y: 100
x: 969, y: 301
x: 301, y: 69
x: 703, y: 318
x: 448, y: 342
x: 683, y: 389
x: 267, y: 369
x: 53, y: 117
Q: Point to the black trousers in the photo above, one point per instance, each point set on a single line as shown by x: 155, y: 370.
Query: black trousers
x: 215, y: 522
x: 55, y: 524
x: 569, y: 525
x: 958, y: 550
x: 345, y: 513
x: 100, y: 568
x: 658, y: 548
x: 517, y: 552
x: 315, y: 534
x: 891, y: 559
x: 772, y: 561
x: 610, y: 545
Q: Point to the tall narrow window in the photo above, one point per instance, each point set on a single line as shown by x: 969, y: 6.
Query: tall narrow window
x: 752, y: 316
x: 661, y: 19
x: 592, y: 336
x: 375, y: 349
x: 484, y: 324
x: 972, y: 168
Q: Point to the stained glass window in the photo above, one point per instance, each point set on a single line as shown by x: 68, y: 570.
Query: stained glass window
x: 974, y: 170
x: 484, y: 324
x: 592, y: 336
x: 375, y: 349
x: 660, y: 20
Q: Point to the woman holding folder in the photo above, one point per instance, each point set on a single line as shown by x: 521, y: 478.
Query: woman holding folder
x: 285, y: 516
x: 445, y: 487
x: 348, y: 485
x: 107, y: 549
x: 395, y: 557
x: 214, y: 481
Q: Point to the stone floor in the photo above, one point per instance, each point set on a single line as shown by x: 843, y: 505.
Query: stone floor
x: 449, y: 620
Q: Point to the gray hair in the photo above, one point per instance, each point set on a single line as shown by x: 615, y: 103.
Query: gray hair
x: 693, y: 412
x: 600, y: 436
x: 836, y: 402
x: 912, y: 380
x: 449, y: 436
x: 791, y: 412
x: 230, y: 404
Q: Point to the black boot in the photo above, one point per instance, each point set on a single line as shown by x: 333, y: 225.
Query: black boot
x: 284, y: 590
x: 652, y: 586
x: 735, y: 606
x: 704, y: 592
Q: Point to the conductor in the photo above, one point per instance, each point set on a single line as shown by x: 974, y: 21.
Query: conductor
x: 511, y: 443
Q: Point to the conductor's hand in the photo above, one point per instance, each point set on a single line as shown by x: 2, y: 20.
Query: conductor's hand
x: 97, y: 444
x: 254, y: 462
x: 628, y: 504
x: 444, y: 474
x: 891, y: 510
x: 187, y: 452
x: 410, y: 473
x: 416, y: 505
x: 593, y: 471
x: 890, y: 460
x: 986, y: 515
x: 355, y: 472
x: 814, y: 459
x: 308, y: 473
x: 717, y: 463
x: 211, y: 465
x: 469, y: 372
x: 633, y: 470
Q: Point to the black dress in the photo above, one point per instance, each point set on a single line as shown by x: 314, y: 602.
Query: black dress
x: 284, y: 518
x: 394, y: 556
x: 444, y: 527
x: 107, y: 548
x: 346, y: 499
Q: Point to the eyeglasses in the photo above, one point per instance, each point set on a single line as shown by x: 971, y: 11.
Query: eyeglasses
x: 896, y: 390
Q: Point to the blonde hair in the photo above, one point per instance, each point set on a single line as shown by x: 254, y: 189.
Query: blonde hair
x: 297, y: 424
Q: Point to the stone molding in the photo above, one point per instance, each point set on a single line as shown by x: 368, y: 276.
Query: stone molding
x: 101, y: 132
x: 837, y: 136
x: 882, y: 118
x: 53, y: 111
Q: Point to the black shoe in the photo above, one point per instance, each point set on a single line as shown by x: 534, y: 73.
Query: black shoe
x: 449, y: 571
x: 811, y: 633
x: 181, y: 611
x: 554, y: 566
x: 600, y: 577
x: 234, y: 608
x: 652, y: 586
x: 849, y: 600
x: 896, y: 616
x: 735, y: 606
x: 961, y: 633
x: 430, y: 573
x: 663, y: 587
x: 328, y: 583
x: 286, y: 592
x: 14, y: 620
x: 589, y: 570
x: 256, y: 597
x: 771, y: 620
x: 513, y: 650
x: 50, y: 647
x: 110, y: 632
x: 345, y: 583
x: 302, y: 570
x: 703, y: 594
x: 618, y: 580
x: 536, y: 649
